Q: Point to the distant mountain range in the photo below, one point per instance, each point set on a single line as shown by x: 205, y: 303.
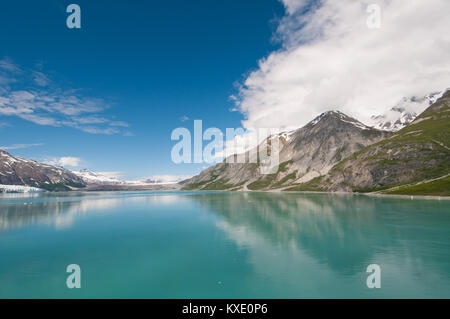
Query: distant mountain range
x: 105, y: 178
x: 90, y: 177
x: 19, y: 171
x: 335, y: 152
x: 306, y: 153
x: 23, y: 175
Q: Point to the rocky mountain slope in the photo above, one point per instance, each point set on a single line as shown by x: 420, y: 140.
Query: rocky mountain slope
x: 24, y: 175
x: 306, y: 153
x: 415, y: 159
x: 19, y: 171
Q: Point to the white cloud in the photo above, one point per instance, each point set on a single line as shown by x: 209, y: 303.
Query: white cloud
x: 19, y: 146
x: 32, y: 96
x: 8, y: 65
x: 97, y: 130
x: 41, y: 120
x: 64, y: 161
x: 330, y: 59
x: 40, y: 78
x: 119, y: 123
x: 294, y: 5
x: 90, y: 120
x: 3, y: 101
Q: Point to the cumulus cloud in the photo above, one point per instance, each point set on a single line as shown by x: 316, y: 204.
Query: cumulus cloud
x: 32, y: 96
x: 331, y: 59
x: 68, y: 161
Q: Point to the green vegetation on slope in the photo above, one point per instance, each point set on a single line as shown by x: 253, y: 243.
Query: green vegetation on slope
x: 284, y: 180
x: 418, y: 152
x: 262, y: 183
x: 269, y: 180
x: 311, y: 186
x: 211, y: 180
x: 221, y: 184
x: 440, y: 187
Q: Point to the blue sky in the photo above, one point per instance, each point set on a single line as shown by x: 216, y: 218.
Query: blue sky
x: 112, y: 92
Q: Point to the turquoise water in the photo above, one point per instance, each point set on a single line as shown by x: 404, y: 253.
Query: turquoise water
x: 222, y: 245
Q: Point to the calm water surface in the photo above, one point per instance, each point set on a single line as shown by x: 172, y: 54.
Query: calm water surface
x: 222, y: 245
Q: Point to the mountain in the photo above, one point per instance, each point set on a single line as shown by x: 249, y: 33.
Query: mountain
x: 96, y: 178
x: 24, y: 175
x: 416, y: 160
x: 19, y: 171
x: 404, y: 112
x: 164, y: 179
x: 306, y: 153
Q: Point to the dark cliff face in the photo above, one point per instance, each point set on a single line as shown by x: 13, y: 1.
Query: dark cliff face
x: 18, y: 171
x: 306, y: 153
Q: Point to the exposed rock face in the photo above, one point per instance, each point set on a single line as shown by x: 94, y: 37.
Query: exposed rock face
x: 223, y: 176
x: 325, y: 141
x: 18, y: 171
x: 417, y: 153
x: 306, y: 153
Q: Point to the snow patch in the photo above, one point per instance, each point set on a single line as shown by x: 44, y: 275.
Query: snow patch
x: 342, y: 117
x: 288, y: 135
x: 405, y: 112
x: 106, y: 178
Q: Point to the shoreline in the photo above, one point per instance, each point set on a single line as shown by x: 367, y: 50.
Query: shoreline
x: 175, y: 187
x: 276, y: 191
x: 411, y: 197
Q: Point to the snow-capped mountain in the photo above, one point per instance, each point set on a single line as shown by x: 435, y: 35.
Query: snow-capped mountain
x: 111, y: 178
x: 305, y: 154
x: 98, y: 178
x: 342, y: 117
x: 165, y: 179
x: 404, y: 112
x: 15, y: 170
